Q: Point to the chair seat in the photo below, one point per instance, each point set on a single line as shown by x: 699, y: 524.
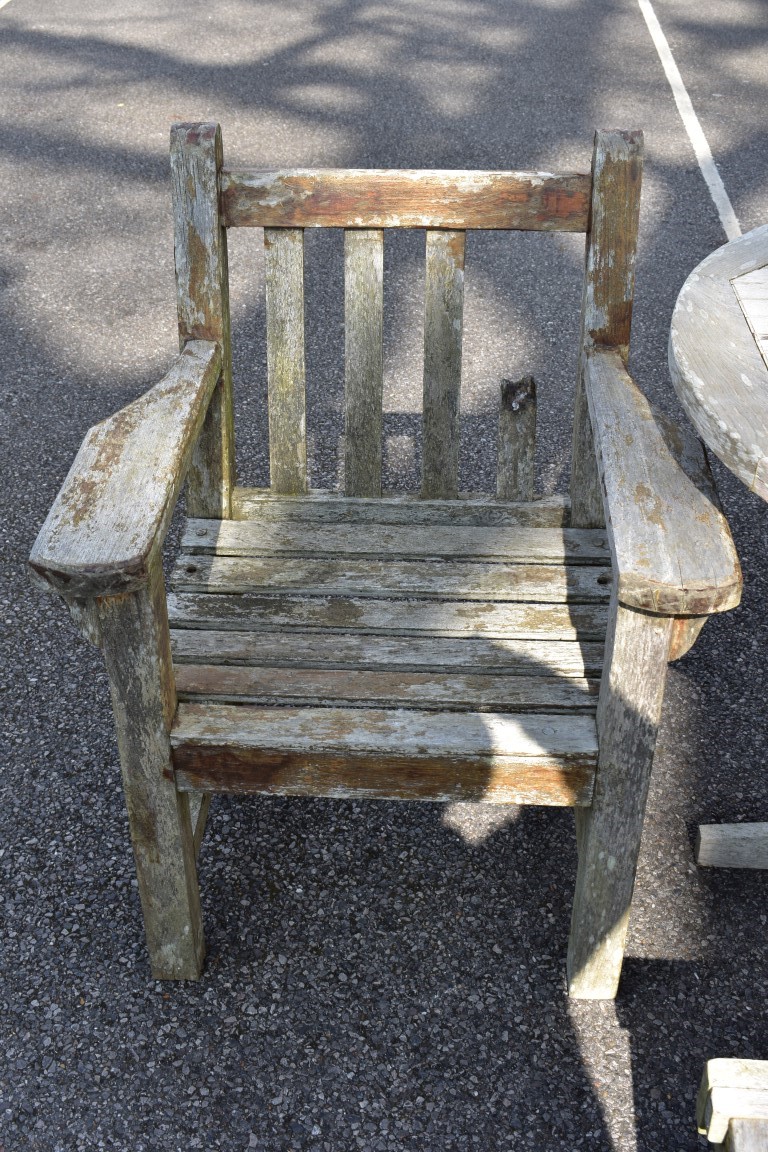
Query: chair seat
x: 424, y: 649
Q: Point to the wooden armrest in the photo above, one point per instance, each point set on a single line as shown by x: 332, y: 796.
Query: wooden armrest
x: 109, y: 519
x: 670, y: 542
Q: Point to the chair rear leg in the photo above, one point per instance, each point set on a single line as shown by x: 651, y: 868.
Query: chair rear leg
x: 608, y: 833
x: 135, y: 638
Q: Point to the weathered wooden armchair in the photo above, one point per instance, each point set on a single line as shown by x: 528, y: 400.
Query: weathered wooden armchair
x: 427, y: 647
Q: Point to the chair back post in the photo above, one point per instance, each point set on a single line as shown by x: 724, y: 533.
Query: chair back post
x: 202, y: 287
x: 609, y: 285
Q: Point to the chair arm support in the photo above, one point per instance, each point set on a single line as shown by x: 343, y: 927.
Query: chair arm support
x: 671, y: 546
x: 108, y: 522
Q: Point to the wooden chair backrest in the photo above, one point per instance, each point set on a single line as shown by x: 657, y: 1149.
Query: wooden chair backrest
x: 209, y: 199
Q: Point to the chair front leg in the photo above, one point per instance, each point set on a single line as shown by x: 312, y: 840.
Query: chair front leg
x: 608, y: 833
x: 136, y: 643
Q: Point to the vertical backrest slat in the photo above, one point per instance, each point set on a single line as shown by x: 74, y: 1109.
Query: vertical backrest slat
x: 285, y: 360
x: 443, y: 325
x: 202, y: 287
x: 363, y: 360
x: 609, y: 285
x: 517, y: 440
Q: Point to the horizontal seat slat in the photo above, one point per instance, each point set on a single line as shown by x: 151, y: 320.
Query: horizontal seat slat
x: 441, y: 579
x: 366, y: 752
x: 416, y: 198
x: 334, y: 686
x: 398, y: 541
x: 249, y: 611
x: 417, y: 653
x: 325, y: 507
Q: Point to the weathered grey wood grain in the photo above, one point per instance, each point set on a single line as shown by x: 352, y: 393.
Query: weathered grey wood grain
x: 284, y: 273
x: 109, y: 520
x: 730, y: 1089
x: 629, y: 709
x: 134, y: 630
x: 609, y: 285
x: 364, y: 752
x: 670, y: 542
x: 716, y: 365
x: 85, y: 616
x: 380, y: 198
x: 751, y: 290
x: 363, y: 360
x: 202, y: 291
x: 747, y: 1135
x: 199, y: 808
x: 426, y: 690
x: 466, y: 580
x: 329, y: 508
x: 470, y: 654
x: 517, y: 439
x: 732, y: 845
x: 443, y: 328
x: 445, y: 617
x: 397, y: 541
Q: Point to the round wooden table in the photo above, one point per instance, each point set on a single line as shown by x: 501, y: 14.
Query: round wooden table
x: 718, y: 357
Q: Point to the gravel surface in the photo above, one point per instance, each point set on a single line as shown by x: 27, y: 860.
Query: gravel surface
x: 380, y: 976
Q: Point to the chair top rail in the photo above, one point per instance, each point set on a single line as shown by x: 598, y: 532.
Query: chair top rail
x: 416, y: 198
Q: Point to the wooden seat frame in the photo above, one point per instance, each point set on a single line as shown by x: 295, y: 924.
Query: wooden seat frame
x: 640, y: 489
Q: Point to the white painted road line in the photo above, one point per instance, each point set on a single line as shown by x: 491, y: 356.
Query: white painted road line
x: 692, y: 126
x: 4, y: 2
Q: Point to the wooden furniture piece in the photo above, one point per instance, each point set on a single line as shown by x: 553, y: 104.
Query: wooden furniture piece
x: 718, y: 357
x: 424, y: 647
x: 732, y: 1105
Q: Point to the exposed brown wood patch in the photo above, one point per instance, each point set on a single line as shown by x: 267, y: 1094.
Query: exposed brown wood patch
x: 393, y: 754
x: 369, y: 198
